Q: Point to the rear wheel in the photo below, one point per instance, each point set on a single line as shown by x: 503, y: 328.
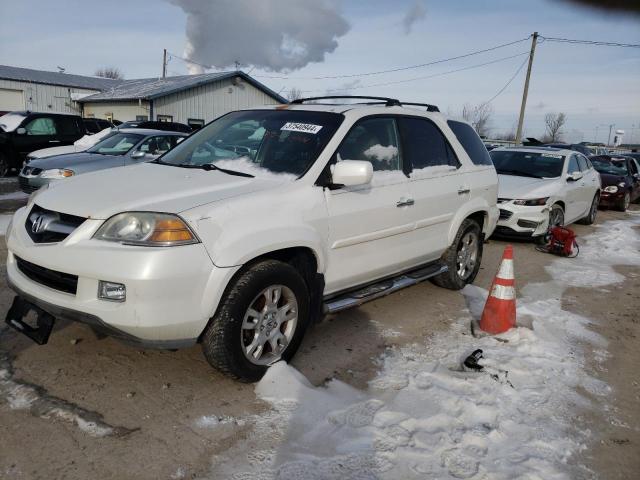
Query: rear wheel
x: 463, y: 257
x: 593, y: 211
x: 623, y: 204
x: 261, y: 319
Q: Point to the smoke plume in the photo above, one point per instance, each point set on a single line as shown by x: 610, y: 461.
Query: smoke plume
x: 417, y: 12
x: 276, y: 35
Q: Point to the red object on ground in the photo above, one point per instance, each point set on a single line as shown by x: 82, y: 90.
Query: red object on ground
x: 562, y: 241
x: 499, y: 314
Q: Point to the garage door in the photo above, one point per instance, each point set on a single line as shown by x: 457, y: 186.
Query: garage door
x: 11, y: 100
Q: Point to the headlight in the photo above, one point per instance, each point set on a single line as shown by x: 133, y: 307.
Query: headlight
x: 57, y: 173
x: 611, y: 189
x: 147, y: 229
x: 531, y: 202
x: 622, y: 185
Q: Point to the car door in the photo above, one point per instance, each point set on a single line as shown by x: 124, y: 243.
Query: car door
x: 575, y: 198
x: 589, y: 182
x: 634, y: 174
x: 369, y: 224
x: 40, y: 132
x: 69, y: 129
x: 436, y: 184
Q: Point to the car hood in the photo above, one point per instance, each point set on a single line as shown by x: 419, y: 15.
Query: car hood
x: 146, y: 187
x: 69, y: 159
x: 610, y: 179
x: 51, y: 151
x: 511, y: 186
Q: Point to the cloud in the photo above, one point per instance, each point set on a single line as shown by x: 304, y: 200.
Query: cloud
x: 417, y: 12
x: 540, y: 105
x: 276, y: 35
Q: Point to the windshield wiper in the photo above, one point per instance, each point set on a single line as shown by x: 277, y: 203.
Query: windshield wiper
x: 518, y: 173
x: 210, y: 166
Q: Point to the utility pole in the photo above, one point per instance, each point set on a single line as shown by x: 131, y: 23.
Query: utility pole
x: 164, y: 64
x: 534, y: 40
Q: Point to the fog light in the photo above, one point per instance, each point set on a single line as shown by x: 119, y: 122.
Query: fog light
x: 527, y: 224
x: 116, y: 292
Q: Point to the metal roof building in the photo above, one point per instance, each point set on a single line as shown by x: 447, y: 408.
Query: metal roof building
x: 193, y: 99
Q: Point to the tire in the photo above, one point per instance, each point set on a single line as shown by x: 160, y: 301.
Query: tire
x: 556, y: 219
x: 593, y: 211
x: 5, y: 168
x: 234, y: 328
x: 453, y: 279
x: 624, y: 203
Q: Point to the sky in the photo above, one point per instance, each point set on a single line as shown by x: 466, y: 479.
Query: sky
x: 595, y: 86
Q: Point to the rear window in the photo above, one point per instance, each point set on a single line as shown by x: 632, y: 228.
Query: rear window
x: 471, y: 143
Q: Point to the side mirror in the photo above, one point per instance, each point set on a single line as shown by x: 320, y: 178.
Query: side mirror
x: 21, y: 131
x: 138, y: 154
x: 574, y: 177
x: 351, y: 173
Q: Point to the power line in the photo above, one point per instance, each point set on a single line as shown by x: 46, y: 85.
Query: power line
x: 508, y: 83
x: 590, y: 42
x: 356, y: 87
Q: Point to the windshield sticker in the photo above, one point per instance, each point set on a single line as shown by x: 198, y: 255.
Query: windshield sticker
x: 552, y: 155
x: 301, y: 127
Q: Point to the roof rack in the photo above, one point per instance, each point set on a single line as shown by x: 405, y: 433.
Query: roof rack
x: 388, y: 102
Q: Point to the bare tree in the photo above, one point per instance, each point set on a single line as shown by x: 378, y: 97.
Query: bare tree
x: 294, y: 94
x: 554, y: 123
x: 508, y: 136
x: 479, y: 117
x: 109, y: 72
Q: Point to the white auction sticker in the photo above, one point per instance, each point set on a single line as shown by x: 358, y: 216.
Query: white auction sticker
x: 301, y: 127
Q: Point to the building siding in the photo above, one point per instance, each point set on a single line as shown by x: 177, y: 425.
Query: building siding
x: 40, y: 97
x: 210, y: 101
x: 123, y: 111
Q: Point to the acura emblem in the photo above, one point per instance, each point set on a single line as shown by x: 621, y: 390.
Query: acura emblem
x: 41, y: 223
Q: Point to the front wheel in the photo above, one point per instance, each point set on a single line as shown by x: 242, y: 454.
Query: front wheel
x: 624, y: 203
x: 556, y: 219
x: 261, y: 319
x: 463, y: 257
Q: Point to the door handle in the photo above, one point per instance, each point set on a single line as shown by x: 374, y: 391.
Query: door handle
x: 405, y: 202
x: 463, y: 190
x: 54, y: 141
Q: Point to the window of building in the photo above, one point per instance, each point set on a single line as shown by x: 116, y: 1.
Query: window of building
x: 164, y: 118
x: 142, y: 118
x: 195, y: 123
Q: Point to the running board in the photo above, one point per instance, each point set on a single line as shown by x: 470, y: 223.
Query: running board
x: 382, y: 288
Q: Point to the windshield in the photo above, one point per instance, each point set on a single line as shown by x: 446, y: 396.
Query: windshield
x: 527, y: 164
x: 611, y: 167
x: 10, y: 121
x: 117, y: 144
x: 258, y: 142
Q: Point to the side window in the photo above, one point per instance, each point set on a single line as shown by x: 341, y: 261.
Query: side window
x: 41, y: 126
x: 582, y: 162
x: 573, y: 164
x: 156, y: 145
x: 67, y: 126
x: 424, y: 144
x: 471, y: 143
x: 589, y: 164
x: 374, y: 140
x: 633, y: 167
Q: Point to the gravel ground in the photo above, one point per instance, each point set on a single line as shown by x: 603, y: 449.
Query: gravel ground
x: 106, y: 410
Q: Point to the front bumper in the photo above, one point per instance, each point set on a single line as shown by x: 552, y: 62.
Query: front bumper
x: 171, y: 292
x: 611, y: 199
x: 521, y: 221
x: 31, y: 183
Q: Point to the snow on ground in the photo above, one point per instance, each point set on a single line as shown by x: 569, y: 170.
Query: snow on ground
x: 4, y: 223
x: 423, y: 416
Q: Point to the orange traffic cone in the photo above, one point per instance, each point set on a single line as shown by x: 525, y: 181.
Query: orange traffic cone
x: 499, y: 314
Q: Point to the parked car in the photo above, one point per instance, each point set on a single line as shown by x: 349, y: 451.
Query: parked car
x: 155, y: 125
x: 79, y: 145
x: 620, y: 180
x: 95, y: 125
x: 540, y: 187
x: 338, y: 205
x: 576, y: 147
x: 24, y: 132
x: 122, y: 148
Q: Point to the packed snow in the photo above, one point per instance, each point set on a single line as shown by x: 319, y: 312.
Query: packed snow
x: 426, y: 416
x: 382, y: 153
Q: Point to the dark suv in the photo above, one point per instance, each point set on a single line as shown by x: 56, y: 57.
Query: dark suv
x: 95, y: 125
x: 23, y: 132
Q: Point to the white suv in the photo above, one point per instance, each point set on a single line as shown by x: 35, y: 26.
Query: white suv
x: 255, y: 226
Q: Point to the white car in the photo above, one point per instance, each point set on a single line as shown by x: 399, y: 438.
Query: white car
x: 539, y: 187
x: 328, y: 207
x: 79, y: 145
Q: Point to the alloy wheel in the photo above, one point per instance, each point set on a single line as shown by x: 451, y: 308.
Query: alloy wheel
x: 269, y: 325
x: 556, y: 217
x: 627, y: 200
x: 467, y: 255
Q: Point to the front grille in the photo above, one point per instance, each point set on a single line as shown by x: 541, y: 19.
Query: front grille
x: 53, y: 226
x: 503, y: 200
x: 25, y: 186
x: 505, y: 214
x: 64, y: 282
